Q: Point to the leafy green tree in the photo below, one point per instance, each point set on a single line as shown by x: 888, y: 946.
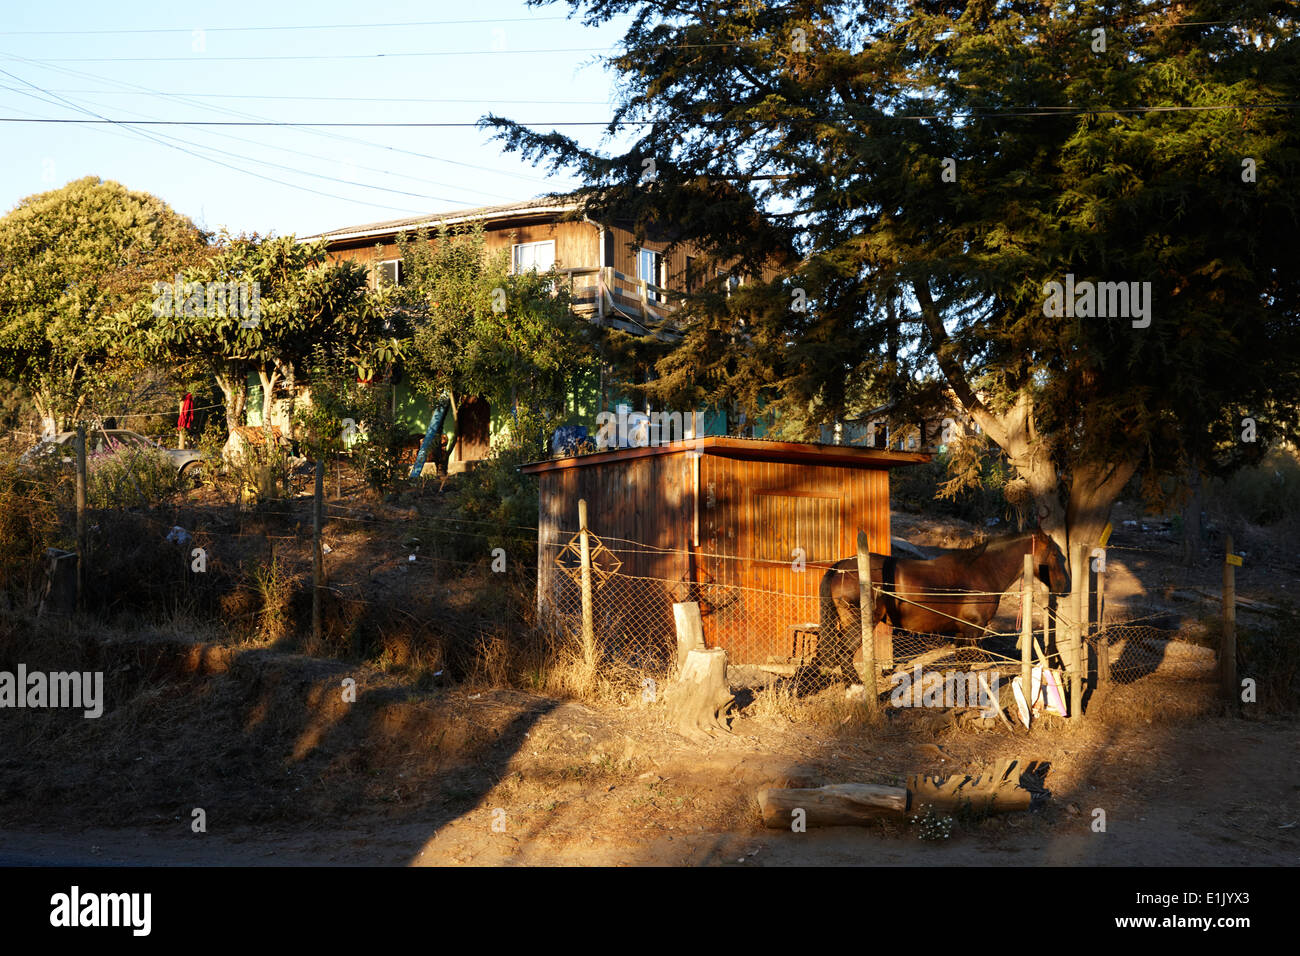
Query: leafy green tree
x: 70, y: 259
x: 282, y: 299
x: 937, y: 165
x: 348, y: 415
x: 477, y: 329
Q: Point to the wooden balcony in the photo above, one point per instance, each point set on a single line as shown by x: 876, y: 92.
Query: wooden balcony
x: 609, y: 297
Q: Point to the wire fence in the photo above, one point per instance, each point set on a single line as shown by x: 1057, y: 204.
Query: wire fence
x: 779, y: 634
x: 446, y: 579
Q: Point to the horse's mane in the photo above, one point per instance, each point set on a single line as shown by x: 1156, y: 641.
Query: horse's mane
x: 977, y: 551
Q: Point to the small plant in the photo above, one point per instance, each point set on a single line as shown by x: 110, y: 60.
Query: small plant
x: 932, y: 825
x: 274, y: 586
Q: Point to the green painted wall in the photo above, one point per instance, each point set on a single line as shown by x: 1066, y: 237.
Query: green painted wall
x: 410, y: 408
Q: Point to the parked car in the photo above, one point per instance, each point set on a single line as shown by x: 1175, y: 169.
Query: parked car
x: 188, y: 462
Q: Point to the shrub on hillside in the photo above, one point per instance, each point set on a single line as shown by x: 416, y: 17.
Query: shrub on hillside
x: 29, y: 523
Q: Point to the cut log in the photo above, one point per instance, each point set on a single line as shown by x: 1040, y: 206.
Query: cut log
x: 1012, y: 785
x: 699, y: 699
x: 840, y: 804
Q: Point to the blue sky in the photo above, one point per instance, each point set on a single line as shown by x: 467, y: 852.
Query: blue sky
x: 530, y: 64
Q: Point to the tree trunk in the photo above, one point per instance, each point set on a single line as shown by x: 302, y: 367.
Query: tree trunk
x: 699, y: 699
x: 1192, y: 516
x: 1076, y: 515
x: 45, y: 410
x: 234, y: 393
x: 268, y: 380
x: 290, y: 378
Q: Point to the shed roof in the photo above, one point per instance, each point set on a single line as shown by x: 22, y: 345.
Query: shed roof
x: 751, y: 448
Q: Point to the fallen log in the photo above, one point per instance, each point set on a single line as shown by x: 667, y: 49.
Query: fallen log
x: 840, y: 804
x: 1011, y: 786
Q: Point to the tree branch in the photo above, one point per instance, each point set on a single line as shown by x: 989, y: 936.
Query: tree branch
x: 952, y: 370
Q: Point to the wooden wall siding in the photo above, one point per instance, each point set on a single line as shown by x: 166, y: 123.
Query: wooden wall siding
x: 645, y: 500
x: 753, y: 625
x: 787, y: 524
x: 577, y: 244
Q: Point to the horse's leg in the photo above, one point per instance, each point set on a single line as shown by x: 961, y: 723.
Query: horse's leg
x: 850, y: 627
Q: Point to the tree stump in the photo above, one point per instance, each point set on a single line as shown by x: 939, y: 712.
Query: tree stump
x: 699, y: 699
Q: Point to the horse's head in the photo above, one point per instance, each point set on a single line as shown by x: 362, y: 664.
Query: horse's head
x: 1049, y: 563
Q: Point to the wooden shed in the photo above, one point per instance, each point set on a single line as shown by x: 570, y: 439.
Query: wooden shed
x: 718, y: 520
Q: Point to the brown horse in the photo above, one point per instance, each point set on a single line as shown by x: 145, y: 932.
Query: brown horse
x: 956, y: 593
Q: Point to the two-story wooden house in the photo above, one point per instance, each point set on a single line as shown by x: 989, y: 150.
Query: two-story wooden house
x: 613, y: 280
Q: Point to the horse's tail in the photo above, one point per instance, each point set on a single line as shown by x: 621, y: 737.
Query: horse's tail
x: 829, y: 625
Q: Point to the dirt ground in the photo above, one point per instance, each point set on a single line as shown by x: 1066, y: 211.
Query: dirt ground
x: 1228, y: 798
x: 293, y: 776
x: 288, y: 773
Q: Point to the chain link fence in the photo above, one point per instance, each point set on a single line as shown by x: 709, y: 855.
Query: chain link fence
x: 772, y: 634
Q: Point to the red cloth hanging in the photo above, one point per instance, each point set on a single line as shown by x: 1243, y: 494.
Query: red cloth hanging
x: 187, y: 412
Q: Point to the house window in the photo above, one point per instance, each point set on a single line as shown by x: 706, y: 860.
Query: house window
x: 648, y: 266
x: 389, y: 273
x: 785, y: 522
x: 537, y: 256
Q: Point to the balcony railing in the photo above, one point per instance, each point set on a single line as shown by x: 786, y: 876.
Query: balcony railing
x: 611, y: 297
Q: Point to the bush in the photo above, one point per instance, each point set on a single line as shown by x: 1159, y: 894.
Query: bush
x: 493, y: 505
x: 29, y: 523
x: 345, y: 414
x: 921, y: 488
x: 129, y: 477
x: 1262, y: 495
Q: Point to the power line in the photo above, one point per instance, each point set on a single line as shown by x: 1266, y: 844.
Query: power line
x: 336, y: 99
x: 248, y: 172
x: 336, y: 136
x: 205, y: 58
x: 305, y: 172
x: 1000, y: 114
x: 262, y: 29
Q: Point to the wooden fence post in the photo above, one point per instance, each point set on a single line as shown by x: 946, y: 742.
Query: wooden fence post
x: 1078, y: 581
x: 1027, y: 632
x: 1228, y: 650
x: 317, y: 557
x: 1103, y: 643
x: 867, y: 602
x: 588, y: 626
x: 82, y: 558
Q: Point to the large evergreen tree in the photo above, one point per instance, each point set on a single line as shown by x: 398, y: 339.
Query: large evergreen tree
x: 938, y: 164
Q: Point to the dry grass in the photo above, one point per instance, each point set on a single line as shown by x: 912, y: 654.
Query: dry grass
x: 829, y: 708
